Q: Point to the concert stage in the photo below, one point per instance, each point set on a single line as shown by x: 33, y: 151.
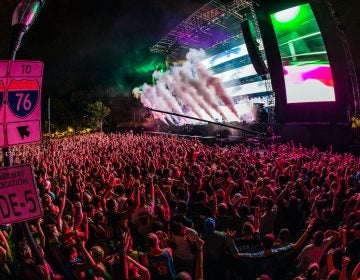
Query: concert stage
x: 233, y: 62
x: 321, y: 135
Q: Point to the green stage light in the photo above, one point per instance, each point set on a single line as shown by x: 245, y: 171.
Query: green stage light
x: 287, y: 15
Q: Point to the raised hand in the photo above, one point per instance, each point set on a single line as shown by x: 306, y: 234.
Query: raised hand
x: 230, y: 233
x: 199, y: 243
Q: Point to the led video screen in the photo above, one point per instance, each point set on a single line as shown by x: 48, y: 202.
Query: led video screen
x: 307, y: 71
x: 233, y: 67
x: 225, y: 56
x: 240, y: 80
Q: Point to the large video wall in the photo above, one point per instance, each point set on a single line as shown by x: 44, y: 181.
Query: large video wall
x: 233, y: 67
x: 306, y: 67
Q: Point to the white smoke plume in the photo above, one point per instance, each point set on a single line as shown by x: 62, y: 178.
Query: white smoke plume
x: 203, y: 91
x: 168, y: 97
x: 149, y: 96
x: 218, y: 87
x: 188, y: 88
x: 183, y: 93
x: 200, y: 102
x: 195, y: 56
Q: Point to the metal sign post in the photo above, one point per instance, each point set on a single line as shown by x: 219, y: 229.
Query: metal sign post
x: 20, y: 123
x: 4, y: 65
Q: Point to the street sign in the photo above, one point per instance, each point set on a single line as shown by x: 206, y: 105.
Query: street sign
x: 23, y: 112
x: 4, y: 65
x: 25, y: 68
x: 19, y: 198
x: 21, y: 119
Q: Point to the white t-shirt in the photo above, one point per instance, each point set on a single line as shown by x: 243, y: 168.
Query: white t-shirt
x: 311, y: 254
x: 183, y: 246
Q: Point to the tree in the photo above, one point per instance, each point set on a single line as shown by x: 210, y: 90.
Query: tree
x: 97, y: 111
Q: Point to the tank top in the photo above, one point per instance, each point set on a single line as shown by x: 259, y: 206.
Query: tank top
x: 161, y: 267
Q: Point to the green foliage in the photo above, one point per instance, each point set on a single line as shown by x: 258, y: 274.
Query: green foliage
x: 97, y: 111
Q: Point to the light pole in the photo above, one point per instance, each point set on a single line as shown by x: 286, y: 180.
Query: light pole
x: 23, y: 17
x: 49, y: 117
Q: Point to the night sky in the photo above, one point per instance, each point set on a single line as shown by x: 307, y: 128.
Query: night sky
x: 105, y: 41
x: 94, y: 49
x: 100, y: 46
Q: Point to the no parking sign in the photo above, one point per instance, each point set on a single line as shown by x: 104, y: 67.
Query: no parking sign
x: 21, y: 99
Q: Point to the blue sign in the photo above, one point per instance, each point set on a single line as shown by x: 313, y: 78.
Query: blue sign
x: 23, y: 102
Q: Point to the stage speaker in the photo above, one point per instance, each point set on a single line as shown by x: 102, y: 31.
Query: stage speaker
x: 253, y: 50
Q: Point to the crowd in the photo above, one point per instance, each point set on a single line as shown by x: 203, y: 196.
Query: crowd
x: 126, y: 206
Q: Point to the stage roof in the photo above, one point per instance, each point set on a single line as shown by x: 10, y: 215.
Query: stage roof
x: 217, y: 22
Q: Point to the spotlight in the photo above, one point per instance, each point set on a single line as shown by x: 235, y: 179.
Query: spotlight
x: 287, y: 15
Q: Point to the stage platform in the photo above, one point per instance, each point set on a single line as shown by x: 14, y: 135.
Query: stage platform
x: 321, y: 135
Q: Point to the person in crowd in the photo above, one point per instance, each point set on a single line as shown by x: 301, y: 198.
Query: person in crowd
x: 268, y: 217
x: 180, y: 216
x: 353, y: 247
x: 159, y: 261
x: 183, y: 242
x: 215, y: 248
x: 313, y: 252
x: 269, y: 260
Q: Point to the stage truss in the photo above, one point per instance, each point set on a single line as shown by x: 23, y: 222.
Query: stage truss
x: 206, y: 28
x: 214, y: 24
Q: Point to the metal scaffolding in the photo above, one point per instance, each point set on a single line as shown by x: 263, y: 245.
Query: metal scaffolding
x: 204, y: 25
x: 197, y: 28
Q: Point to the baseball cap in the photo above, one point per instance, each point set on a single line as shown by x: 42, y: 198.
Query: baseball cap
x: 209, y: 226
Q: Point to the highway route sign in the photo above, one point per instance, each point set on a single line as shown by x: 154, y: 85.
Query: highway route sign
x: 20, y: 112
